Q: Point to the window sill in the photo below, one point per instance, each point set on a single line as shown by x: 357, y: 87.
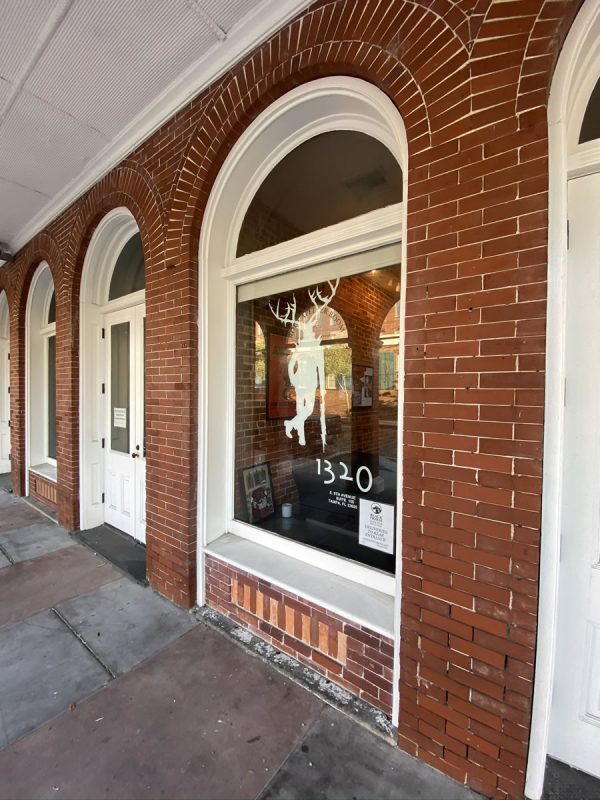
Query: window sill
x: 360, y: 604
x: 47, y: 471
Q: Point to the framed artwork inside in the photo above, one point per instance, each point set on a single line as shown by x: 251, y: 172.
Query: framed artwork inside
x: 258, y: 492
x: 281, y: 395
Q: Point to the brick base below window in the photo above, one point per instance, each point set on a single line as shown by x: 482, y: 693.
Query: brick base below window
x: 43, y: 490
x: 348, y: 654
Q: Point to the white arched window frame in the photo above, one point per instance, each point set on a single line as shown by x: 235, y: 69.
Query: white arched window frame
x: 39, y: 333
x: 576, y: 74
x: 328, y: 104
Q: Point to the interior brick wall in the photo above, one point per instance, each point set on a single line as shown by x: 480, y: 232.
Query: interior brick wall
x: 470, y: 79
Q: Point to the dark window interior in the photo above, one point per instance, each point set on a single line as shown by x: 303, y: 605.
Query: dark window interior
x: 128, y: 275
x: 590, y: 127
x: 330, y: 178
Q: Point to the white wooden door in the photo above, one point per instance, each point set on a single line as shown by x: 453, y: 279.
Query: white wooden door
x: 4, y: 407
x: 575, y: 723
x: 125, y: 463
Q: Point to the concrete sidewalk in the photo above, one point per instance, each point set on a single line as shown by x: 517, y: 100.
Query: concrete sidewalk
x: 107, y: 690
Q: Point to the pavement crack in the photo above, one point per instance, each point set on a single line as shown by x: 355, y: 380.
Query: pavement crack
x: 7, y: 556
x: 88, y: 647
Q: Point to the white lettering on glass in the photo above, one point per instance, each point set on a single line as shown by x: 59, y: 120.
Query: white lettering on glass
x: 306, y: 366
x: 364, y: 476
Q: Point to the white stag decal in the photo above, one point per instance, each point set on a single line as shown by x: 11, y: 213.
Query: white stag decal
x: 306, y: 366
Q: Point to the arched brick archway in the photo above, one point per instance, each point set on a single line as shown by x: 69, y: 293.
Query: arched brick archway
x: 131, y: 187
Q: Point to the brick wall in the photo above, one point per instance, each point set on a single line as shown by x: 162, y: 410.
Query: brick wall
x: 43, y: 490
x: 470, y: 79
x: 357, y: 658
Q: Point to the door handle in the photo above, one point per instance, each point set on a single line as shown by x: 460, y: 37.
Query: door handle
x: 135, y: 455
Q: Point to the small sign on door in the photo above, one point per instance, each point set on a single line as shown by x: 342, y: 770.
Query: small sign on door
x: 376, y: 525
x: 120, y: 418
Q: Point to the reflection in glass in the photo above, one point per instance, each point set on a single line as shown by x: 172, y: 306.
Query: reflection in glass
x: 51, y: 397
x: 330, y: 178
x: 119, y: 387
x: 128, y: 275
x: 325, y: 421
x: 52, y: 309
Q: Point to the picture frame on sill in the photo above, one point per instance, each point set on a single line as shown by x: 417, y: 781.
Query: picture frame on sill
x: 258, y: 492
x: 362, y: 386
x: 281, y: 395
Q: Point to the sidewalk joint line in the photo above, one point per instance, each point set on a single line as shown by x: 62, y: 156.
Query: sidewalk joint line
x: 77, y: 635
x: 7, y: 556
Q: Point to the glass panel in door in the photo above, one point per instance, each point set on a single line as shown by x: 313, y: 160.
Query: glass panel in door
x: 120, y: 386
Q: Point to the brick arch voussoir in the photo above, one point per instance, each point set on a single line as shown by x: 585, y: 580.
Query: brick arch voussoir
x: 41, y: 248
x: 553, y: 25
x: 129, y: 186
x: 215, y: 135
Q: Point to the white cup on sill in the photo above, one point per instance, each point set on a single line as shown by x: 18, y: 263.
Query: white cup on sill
x: 286, y: 510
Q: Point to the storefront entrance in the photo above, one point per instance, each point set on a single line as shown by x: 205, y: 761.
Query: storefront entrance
x: 575, y: 729
x: 125, y: 460
x: 113, y: 456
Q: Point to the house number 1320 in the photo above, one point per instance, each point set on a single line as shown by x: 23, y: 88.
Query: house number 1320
x: 325, y: 467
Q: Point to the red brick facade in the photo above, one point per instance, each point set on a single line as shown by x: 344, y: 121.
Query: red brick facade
x: 357, y: 658
x: 470, y: 79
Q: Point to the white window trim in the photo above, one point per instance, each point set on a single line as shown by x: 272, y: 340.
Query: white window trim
x: 576, y: 73
x: 325, y: 104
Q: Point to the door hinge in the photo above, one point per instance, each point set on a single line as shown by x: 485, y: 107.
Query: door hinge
x: 103, y: 333
x: 568, y: 234
x: 8, y: 356
x: 103, y: 443
x: 103, y: 497
x: 103, y: 388
x: 9, y: 423
x: 565, y: 393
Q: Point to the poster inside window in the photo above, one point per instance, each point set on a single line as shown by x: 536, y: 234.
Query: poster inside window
x: 323, y: 424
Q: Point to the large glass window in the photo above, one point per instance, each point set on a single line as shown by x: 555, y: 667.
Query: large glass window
x: 316, y: 436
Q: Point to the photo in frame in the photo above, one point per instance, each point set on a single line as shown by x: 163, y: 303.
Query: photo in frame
x: 362, y: 386
x: 281, y: 395
x: 258, y: 492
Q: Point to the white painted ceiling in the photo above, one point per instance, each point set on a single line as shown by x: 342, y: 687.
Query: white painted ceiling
x: 82, y: 82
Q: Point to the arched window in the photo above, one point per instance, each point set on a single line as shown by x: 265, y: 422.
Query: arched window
x: 332, y: 177
x: 304, y: 230
x: 128, y: 275
x: 41, y: 337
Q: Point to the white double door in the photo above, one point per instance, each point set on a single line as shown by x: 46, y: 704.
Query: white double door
x: 125, y: 458
x: 575, y: 722
x: 4, y: 407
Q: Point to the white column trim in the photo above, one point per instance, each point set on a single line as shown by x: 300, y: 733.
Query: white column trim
x: 576, y: 72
